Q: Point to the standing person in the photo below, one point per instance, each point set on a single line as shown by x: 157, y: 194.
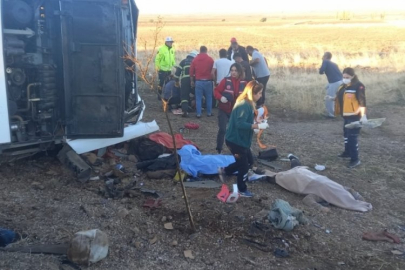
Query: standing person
x: 236, y: 48
x: 245, y: 65
x: 182, y: 75
x: 201, y: 78
x: 261, y: 70
x: 221, y: 67
x: 239, y: 134
x: 334, y: 77
x: 165, y: 61
x: 351, y: 105
x: 226, y: 93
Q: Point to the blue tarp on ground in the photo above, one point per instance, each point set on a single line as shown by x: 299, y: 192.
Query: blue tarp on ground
x: 193, y: 162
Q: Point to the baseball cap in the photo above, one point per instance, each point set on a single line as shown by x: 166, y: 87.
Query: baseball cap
x: 233, y: 40
x: 169, y: 39
x: 193, y: 53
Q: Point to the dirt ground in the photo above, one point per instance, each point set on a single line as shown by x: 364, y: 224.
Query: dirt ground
x: 41, y: 199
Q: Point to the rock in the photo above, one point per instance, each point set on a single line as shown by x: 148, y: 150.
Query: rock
x: 174, y: 243
x: 188, y: 254
x: 122, y: 213
x: 132, y: 158
x: 88, y: 247
x: 164, y: 219
x: 153, y: 240
x: 138, y: 245
x: 37, y: 186
x: 149, y: 231
x: 168, y: 226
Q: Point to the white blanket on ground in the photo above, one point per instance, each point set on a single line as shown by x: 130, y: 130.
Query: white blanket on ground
x: 302, y: 181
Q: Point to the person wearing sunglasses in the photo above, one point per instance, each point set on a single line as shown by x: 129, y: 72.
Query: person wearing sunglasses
x: 239, y: 135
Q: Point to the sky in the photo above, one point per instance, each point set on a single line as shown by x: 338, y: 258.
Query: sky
x: 264, y: 6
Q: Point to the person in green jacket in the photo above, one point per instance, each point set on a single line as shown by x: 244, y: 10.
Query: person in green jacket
x: 164, y: 62
x: 239, y: 134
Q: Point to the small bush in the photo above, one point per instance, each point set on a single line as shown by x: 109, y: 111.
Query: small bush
x: 223, y: 20
x: 263, y: 19
x: 151, y: 20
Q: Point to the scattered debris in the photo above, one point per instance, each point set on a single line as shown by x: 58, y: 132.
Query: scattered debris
x: 95, y: 178
x: 285, y: 217
x: 88, y: 247
x: 152, y: 203
x: 7, y: 237
x: 174, y: 243
x: 381, y: 236
x: 281, y: 253
x: 189, y: 254
x: 151, y: 192
x: 327, y: 231
x: 203, y: 184
x: 61, y: 249
x: 272, y: 165
x: 168, y: 226
x: 397, y: 252
x: 164, y: 219
x: 341, y: 263
x: 320, y: 167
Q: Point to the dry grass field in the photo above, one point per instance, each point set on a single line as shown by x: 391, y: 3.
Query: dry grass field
x: 294, y: 47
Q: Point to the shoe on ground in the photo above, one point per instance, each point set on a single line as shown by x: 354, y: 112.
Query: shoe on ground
x: 209, y: 115
x: 354, y: 163
x: 198, y: 115
x: 291, y: 157
x: 219, y: 151
x: 185, y: 114
x: 246, y: 194
x: 221, y: 174
x: 344, y: 155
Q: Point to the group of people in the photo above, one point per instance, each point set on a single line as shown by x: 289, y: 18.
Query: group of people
x: 238, y: 85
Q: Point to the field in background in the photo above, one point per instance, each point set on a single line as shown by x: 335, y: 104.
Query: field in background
x: 294, y: 46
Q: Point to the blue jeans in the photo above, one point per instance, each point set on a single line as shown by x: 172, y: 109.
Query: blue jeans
x: 203, y: 88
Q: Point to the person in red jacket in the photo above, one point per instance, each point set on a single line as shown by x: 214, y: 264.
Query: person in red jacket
x: 226, y: 93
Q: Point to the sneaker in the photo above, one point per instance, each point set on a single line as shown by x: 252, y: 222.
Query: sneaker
x: 291, y: 157
x: 221, y: 174
x: 344, y: 155
x: 353, y: 164
x: 198, y: 115
x: 209, y: 115
x: 246, y: 194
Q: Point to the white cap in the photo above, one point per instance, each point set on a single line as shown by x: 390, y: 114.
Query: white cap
x: 169, y: 39
x: 193, y: 53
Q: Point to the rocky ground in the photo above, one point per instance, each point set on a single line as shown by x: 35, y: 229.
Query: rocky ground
x: 42, y: 200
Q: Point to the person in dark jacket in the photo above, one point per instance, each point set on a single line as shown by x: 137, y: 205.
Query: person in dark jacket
x: 245, y: 65
x: 334, y: 76
x: 351, y: 105
x: 182, y: 77
x: 239, y: 134
x: 236, y: 48
x: 226, y: 93
x: 171, y: 92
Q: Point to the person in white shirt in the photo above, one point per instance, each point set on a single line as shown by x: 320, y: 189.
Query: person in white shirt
x: 221, y: 67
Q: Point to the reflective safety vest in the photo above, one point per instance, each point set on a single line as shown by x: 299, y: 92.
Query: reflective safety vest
x: 165, y: 58
x: 350, y: 102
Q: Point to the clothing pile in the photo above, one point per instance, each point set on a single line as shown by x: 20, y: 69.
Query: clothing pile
x: 285, y: 217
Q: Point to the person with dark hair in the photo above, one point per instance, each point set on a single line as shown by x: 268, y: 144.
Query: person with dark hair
x: 334, y: 76
x: 226, y: 93
x: 171, y: 92
x: 245, y: 65
x: 261, y: 70
x: 221, y: 67
x: 236, y: 48
x: 164, y: 62
x: 239, y: 134
x: 350, y: 103
x: 182, y: 77
x: 201, y: 78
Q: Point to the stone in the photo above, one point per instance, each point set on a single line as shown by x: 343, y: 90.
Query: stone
x: 168, y: 226
x: 122, y: 213
x: 174, y: 243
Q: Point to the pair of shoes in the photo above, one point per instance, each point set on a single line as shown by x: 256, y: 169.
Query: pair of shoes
x: 221, y: 174
x: 354, y: 163
x: 185, y: 114
x: 198, y: 115
x: 344, y: 155
x: 246, y: 194
x: 209, y: 115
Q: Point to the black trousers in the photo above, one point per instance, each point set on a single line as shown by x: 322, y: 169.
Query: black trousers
x: 162, y: 78
x: 243, y: 161
x: 351, y: 138
x: 264, y: 81
x: 185, y: 90
x: 223, y: 119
